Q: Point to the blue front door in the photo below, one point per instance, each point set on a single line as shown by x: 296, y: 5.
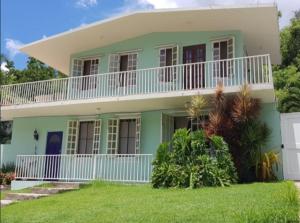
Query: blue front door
x: 53, y: 149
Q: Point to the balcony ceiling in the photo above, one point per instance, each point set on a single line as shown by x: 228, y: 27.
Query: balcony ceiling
x: 258, y: 24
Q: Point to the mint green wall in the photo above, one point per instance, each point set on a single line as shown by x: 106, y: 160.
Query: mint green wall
x: 271, y: 117
x: 23, y: 142
x: 22, y: 135
x: 149, y: 54
x: 150, y: 131
x: 23, y: 128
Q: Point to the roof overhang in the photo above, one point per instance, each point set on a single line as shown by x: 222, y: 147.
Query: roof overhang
x: 258, y: 24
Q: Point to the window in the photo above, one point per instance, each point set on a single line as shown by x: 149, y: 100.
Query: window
x: 168, y: 57
x: 85, y: 138
x: 72, y: 137
x: 96, y: 141
x: 123, y: 136
x: 6, y: 132
x: 127, y: 136
x: 112, y: 136
x: 85, y: 67
x: 222, y: 51
x: 127, y: 64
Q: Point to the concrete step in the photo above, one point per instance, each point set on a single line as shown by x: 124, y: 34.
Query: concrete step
x: 24, y: 196
x: 50, y: 190
x: 6, y: 202
x: 66, y: 185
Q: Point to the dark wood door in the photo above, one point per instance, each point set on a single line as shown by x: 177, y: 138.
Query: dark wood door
x: 194, y: 71
x: 123, y: 67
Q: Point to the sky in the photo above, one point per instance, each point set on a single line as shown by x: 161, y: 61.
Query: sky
x: 25, y: 21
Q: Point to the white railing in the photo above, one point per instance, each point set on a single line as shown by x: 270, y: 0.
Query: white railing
x: 83, y: 167
x: 183, y: 77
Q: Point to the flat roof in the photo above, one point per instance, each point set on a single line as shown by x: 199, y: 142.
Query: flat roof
x: 258, y: 24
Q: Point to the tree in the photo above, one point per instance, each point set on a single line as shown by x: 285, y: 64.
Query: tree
x: 287, y: 75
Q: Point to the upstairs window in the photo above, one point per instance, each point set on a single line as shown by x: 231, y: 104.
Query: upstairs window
x: 167, y: 58
x: 223, y: 51
x: 85, y: 67
x: 125, y: 66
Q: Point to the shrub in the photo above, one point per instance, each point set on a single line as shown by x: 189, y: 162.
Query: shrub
x: 6, y: 178
x: 8, y: 167
x: 194, y: 161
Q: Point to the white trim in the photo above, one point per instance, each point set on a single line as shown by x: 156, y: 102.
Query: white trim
x: 91, y: 57
x: 126, y: 52
x: 166, y: 46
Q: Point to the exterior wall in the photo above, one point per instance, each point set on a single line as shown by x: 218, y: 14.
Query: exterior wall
x: 148, y: 56
x: 23, y: 143
x: 271, y: 117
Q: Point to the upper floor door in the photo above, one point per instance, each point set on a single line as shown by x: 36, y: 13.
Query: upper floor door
x: 194, y: 71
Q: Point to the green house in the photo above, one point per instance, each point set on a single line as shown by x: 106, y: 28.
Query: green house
x: 129, y: 79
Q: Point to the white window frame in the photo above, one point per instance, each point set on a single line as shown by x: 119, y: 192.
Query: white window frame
x: 115, y: 150
x: 114, y: 68
x: 82, y: 65
x: 230, y: 72
x: 70, y: 149
x: 69, y: 143
x: 97, y: 137
x: 161, y: 63
x: 109, y: 140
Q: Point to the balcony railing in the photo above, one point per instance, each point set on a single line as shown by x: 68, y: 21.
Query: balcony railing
x: 183, y: 77
x: 82, y: 167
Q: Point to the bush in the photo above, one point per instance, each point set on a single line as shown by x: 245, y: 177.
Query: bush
x: 8, y: 167
x: 194, y: 161
x: 6, y: 178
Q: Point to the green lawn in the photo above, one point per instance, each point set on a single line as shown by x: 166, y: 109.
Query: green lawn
x: 102, y: 202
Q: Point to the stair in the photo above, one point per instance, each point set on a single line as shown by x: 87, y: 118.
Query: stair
x: 39, y: 192
x: 23, y: 196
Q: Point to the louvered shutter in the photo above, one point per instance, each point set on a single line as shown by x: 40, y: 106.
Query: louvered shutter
x: 72, y: 136
x: 112, y: 136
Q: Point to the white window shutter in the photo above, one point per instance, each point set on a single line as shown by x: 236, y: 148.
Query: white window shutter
x: 97, y: 137
x: 77, y: 68
x: 114, y: 66
x: 112, y: 136
x: 72, y: 136
x: 138, y: 136
x: 175, y: 54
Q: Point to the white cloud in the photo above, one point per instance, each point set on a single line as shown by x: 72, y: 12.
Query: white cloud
x: 12, y: 46
x: 86, y: 3
x: 287, y: 7
x: 3, y: 67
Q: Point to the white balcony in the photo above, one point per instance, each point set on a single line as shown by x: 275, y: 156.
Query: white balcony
x: 153, y: 83
x: 83, y: 167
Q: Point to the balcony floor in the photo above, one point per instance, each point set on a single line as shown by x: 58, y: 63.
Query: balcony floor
x: 132, y: 103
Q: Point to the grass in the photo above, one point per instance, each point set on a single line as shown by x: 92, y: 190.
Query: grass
x: 103, y: 202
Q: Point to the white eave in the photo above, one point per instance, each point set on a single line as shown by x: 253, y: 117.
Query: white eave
x: 258, y: 24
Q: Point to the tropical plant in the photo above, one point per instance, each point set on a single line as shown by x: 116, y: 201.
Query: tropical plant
x: 265, y: 165
x: 195, y: 108
x: 235, y: 118
x: 195, y: 161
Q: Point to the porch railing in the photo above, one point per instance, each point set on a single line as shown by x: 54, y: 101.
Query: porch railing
x: 183, y: 77
x: 83, y: 167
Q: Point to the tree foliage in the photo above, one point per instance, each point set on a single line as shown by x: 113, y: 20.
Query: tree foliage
x: 34, y: 71
x: 287, y: 75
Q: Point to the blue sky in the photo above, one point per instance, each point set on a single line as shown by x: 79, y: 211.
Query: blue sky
x: 24, y: 21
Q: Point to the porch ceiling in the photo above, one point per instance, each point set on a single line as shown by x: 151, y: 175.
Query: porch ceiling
x: 134, y: 103
x: 258, y: 23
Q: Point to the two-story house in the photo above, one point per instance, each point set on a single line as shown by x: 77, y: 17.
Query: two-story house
x: 129, y: 79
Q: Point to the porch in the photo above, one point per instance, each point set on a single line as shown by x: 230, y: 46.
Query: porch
x: 129, y: 168
x: 154, y: 83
